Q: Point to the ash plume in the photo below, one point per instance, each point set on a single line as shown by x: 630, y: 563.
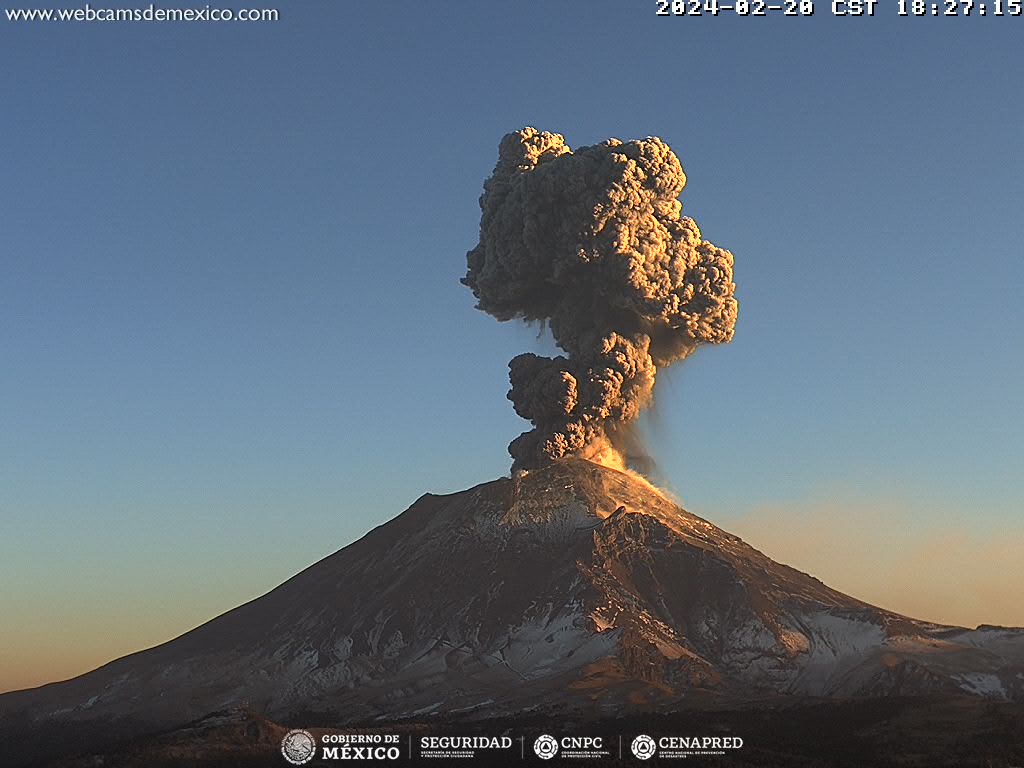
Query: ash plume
x: 592, y: 243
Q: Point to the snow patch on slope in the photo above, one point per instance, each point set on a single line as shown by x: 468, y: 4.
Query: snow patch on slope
x: 982, y: 684
x: 836, y: 645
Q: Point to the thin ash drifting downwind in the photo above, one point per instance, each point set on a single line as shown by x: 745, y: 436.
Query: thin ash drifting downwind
x: 592, y: 243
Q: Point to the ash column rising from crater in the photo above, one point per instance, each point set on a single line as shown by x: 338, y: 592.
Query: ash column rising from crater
x: 592, y: 243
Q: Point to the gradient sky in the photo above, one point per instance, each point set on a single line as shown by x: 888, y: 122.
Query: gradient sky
x: 234, y: 339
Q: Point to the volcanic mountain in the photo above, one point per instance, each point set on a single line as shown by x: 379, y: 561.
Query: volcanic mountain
x: 573, y: 587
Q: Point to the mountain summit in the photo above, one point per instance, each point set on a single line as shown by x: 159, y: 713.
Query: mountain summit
x: 574, y: 587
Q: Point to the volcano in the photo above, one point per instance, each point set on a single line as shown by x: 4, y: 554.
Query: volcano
x: 573, y: 588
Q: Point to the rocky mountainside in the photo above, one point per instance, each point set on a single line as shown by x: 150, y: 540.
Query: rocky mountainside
x: 574, y: 587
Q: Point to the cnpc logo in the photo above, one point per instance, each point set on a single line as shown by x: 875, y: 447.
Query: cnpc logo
x: 547, y: 746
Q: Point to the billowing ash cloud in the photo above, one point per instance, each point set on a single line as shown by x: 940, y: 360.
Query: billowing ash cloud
x: 592, y: 243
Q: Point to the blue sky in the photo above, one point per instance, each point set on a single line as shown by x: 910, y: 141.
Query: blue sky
x: 234, y: 337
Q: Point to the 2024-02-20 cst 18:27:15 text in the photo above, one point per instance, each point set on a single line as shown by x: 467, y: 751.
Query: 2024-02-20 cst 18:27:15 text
x: 838, y: 7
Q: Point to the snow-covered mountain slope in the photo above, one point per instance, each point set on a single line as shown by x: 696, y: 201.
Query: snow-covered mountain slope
x: 574, y: 586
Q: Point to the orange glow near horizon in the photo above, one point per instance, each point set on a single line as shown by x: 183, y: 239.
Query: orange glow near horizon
x: 946, y: 574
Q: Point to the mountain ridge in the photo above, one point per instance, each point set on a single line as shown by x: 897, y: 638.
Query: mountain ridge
x: 573, y: 587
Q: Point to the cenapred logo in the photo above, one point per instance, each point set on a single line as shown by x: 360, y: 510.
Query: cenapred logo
x: 644, y: 747
x: 545, y: 746
x: 298, y: 746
